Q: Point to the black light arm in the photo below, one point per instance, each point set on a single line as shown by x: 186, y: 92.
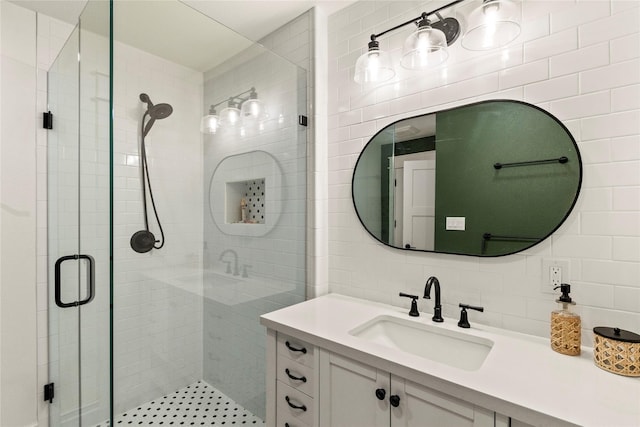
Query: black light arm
x: 422, y: 16
x: 232, y: 99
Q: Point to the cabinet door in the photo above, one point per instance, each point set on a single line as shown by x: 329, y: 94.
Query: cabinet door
x: 422, y: 407
x: 516, y: 423
x: 348, y: 393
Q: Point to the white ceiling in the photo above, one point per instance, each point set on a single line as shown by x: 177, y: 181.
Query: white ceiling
x: 64, y: 10
x: 255, y: 19
x: 171, y: 30
x: 252, y: 18
x: 188, y: 35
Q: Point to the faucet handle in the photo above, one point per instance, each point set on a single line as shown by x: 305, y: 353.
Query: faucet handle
x: 414, y: 305
x: 245, y: 269
x: 464, y: 320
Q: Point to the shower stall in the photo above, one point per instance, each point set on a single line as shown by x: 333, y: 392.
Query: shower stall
x: 167, y: 237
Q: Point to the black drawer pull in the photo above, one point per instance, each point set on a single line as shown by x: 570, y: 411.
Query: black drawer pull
x: 301, y: 407
x: 303, y: 379
x: 301, y: 350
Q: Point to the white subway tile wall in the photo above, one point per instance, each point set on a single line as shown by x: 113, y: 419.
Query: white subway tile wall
x: 158, y: 325
x: 578, y: 60
x: 233, y: 338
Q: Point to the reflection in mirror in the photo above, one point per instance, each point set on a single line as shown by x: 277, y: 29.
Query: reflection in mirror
x: 507, y: 176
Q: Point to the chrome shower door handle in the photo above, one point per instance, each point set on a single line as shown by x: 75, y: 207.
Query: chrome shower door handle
x: 90, y: 280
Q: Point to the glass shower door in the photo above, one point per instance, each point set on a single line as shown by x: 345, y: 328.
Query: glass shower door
x: 78, y: 224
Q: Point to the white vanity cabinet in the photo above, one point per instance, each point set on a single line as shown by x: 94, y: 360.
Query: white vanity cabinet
x: 350, y: 379
x: 313, y: 387
x: 354, y: 394
x: 292, y: 372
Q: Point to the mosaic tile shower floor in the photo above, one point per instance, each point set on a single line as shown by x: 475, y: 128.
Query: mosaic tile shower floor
x: 198, y: 404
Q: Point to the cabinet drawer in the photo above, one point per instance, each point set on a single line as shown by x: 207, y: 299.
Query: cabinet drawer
x: 289, y: 422
x: 295, y: 349
x: 289, y: 369
x: 293, y: 406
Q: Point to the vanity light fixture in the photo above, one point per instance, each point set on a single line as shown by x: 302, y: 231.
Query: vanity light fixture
x: 494, y: 24
x: 244, y: 108
x: 210, y: 122
x: 427, y: 46
x: 374, y: 66
x: 230, y: 116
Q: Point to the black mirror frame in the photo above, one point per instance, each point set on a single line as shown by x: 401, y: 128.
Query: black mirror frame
x: 564, y: 218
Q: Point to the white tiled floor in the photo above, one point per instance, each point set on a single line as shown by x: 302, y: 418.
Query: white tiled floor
x: 198, y: 404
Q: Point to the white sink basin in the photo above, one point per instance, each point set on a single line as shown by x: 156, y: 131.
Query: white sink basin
x: 441, y: 345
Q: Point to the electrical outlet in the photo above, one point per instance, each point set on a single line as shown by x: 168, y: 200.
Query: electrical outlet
x: 554, y: 272
x: 555, y: 275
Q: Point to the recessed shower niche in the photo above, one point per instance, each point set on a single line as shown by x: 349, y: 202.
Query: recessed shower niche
x: 245, y: 194
x: 245, y: 202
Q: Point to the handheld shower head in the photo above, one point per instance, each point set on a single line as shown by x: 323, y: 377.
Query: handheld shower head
x: 155, y: 112
x: 160, y: 111
x: 144, y: 240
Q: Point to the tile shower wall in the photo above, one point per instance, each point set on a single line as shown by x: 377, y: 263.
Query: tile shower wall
x: 233, y: 338
x: 295, y: 41
x: 158, y: 295
x: 580, y: 60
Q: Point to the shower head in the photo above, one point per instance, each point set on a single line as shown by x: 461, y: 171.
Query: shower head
x: 160, y: 111
x: 155, y: 112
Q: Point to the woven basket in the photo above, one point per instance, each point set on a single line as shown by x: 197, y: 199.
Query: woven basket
x: 616, y: 356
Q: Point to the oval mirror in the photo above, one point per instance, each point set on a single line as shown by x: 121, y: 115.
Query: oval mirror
x: 486, y: 179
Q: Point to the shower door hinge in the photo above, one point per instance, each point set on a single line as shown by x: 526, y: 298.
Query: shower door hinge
x: 302, y: 120
x: 48, y: 392
x: 47, y: 120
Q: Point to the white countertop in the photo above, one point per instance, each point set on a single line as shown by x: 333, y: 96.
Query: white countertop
x: 521, y: 377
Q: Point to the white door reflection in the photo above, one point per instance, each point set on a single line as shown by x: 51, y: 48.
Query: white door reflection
x: 414, y: 200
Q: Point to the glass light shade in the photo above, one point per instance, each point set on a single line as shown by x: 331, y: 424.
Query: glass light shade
x: 373, y: 67
x: 252, y: 111
x: 424, y: 48
x: 209, y: 123
x: 230, y: 116
x: 494, y: 24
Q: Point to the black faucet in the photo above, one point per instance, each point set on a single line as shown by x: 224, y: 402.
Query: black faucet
x: 236, y: 269
x: 437, y: 309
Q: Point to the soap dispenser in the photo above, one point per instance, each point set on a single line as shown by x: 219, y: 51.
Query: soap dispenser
x: 565, y: 325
